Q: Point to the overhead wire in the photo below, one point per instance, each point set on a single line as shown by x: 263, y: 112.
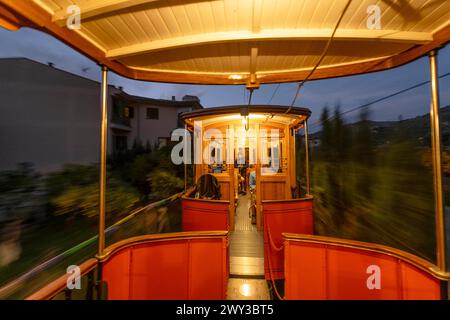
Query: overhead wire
x: 274, y: 93
x: 380, y: 99
x: 324, y: 53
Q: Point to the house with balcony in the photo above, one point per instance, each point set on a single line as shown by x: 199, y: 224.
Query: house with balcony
x: 146, y: 121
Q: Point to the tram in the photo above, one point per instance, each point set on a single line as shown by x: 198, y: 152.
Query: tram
x: 246, y: 154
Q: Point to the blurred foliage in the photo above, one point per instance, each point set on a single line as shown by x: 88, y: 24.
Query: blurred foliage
x: 138, y: 170
x: 71, y: 175
x: 68, y: 202
x: 24, y: 178
x: 135, y: 177
x: 370, y: 190
x: 164, y: 184
x: 20, y: 195
x: 84, y: 199
x: 74, y: 191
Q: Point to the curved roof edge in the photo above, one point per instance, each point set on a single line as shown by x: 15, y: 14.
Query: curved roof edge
x: 16, y: 14
x: 278, y: 109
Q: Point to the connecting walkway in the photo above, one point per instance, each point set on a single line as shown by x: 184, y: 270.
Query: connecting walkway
x: 246, y: 257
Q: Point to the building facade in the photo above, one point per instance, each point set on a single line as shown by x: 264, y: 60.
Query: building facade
x: 50, y: 117
x: 145, y: 121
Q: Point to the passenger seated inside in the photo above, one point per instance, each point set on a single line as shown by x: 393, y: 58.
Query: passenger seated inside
x: 207, y: 187
x: 252, y: 180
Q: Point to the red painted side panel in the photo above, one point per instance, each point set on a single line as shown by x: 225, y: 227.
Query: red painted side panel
x: 305, y: 281
x: 118, y: 268
x: 204, y: 215
x: 208, y: 279
x: 418, y: 285
x: 176, y: 269
x: 316, y: 271
x: 156, y: 272
x: 283, y: 217
x: 347, y: 271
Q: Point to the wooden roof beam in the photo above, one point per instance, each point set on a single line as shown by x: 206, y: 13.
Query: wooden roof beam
x: 253, y: 81
x: 267, y: 34
x: 90, y: 10
x: 8, y: 20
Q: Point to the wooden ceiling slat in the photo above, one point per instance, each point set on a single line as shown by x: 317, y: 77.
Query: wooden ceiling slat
x: 269, y: 35
x: 92, y: 9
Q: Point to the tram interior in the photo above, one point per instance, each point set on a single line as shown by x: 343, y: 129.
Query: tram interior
x: 248, y: 226
x: 251, y: 158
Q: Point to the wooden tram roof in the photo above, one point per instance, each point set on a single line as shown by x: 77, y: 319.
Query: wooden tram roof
x: 238, y: 41
x: 291, y: 116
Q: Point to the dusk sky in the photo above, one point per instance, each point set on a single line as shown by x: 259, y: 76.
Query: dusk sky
x: 349, y: 92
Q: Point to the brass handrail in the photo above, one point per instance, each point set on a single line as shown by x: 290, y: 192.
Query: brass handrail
x: 109, y: 251
x: 55, y: 287
x: 310, y: 197
x: 206, y: 200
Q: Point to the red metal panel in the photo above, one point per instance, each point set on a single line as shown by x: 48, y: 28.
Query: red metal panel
x: 159, y: 271
x: 283, y: 217
x: 169, y: 269
x: 206, y: 282
x: 305, y: 281
x: 419, y: 285
x: 116, y: 273
x: 318, y: 271
x: 348, y: 271
x: 201, y: 215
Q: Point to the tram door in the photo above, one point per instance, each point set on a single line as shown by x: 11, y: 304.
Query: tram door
x: 245, y: 174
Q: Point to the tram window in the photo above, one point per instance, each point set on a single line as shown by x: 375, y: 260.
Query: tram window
x: 216, y: 155
x: 217, y: 162
x: 272, y: 163
x: 240, y: 159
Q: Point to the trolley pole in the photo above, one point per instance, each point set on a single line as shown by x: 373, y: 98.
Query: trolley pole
x: 437, y: 170
x: 103, y: 147
x: 308, y: 187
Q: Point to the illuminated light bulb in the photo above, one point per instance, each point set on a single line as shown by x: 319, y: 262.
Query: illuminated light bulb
x: 235, y: 77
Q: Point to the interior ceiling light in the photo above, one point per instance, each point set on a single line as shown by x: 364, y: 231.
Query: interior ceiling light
x: 236, y: 77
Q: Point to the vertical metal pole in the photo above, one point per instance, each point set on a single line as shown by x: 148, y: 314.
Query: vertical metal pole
x: 308, y: 189
x: 103, y: 147
x: 294, y: 133
x: 194, y: 180
x: 185, y: 157
x: 437, y: 171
